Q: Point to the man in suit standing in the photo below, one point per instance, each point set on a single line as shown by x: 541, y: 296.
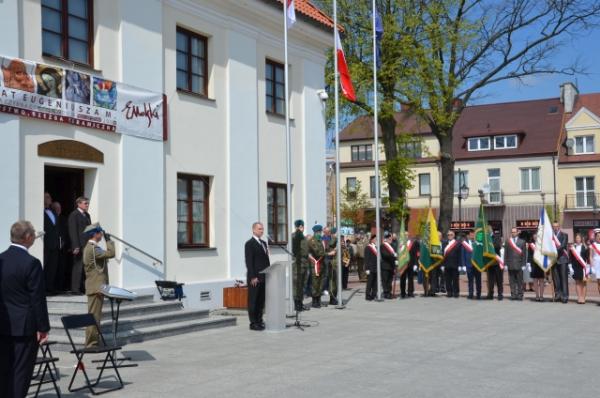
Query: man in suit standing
x: 257, y: 259
x: 473, y: 274
x: 408, y: 276
x: 51, y: 246
x: 23, y: 311
x: 514, y: 260
x: 452, y: 259
x: 388, y: 264
x: 560, y: 271
x: 495, y: 273
x: 78, y: 220
x: 64, y: 264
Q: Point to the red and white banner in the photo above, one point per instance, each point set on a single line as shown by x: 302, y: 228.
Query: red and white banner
x: 450, y: 247
x: 467, y: 246
x: 580, y: 260
x: 345, y: 80
x: 516, y: 248
x: 290, y: 13
x: 316, y: 264
x: 389, y: 248
x: 61, y: 95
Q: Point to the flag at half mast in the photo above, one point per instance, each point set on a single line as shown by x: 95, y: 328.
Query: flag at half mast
x: 431, y: 247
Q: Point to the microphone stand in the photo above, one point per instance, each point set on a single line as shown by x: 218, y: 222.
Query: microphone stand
x: 297, y: 323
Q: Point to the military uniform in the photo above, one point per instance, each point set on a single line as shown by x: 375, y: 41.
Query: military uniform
x: 95, y: 261
x: 300, y: 252
x: 332, y: 268
x: 316, y: 256
x: 361, y: 244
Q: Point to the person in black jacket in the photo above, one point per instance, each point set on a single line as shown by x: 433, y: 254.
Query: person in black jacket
x: 408, y: 275
x: 78, y: 220
x: 257, y: 259
x: 23, y: 311
x: 371, y: 269
x: 452, y: 260
x: 388, y: 264
x: 51, y: 246
x: 578, y: 260
x: 495, y: 274
x: 560, y: 271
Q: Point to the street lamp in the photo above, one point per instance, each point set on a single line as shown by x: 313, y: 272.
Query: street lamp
x: 463, y: 193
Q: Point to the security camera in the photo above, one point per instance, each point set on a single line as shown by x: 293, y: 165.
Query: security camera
x: 323, y: 96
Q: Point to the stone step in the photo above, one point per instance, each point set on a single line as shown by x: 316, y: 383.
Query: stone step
x: 149, y: 332
x: 55, y: 313
x: 136, y: 322
x: 77, y: 302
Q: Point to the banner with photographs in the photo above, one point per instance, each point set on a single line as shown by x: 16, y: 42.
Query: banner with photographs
x: 52, y: 93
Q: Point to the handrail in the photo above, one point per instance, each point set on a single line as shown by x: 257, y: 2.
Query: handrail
x: 137, y: 249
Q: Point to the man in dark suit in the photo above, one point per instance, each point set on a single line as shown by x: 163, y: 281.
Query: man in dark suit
x: 452, y: 259
x: 495, y: 273
x: 63, y: 274
x: 388, y: 265
x: 560, y: 271
x: 51, y: 246
x: 23, y: 311
x: 473, y: 274
x: 257, y: 259
x: 515, y: 253
x: 78, y: 220
x: 409, y: 274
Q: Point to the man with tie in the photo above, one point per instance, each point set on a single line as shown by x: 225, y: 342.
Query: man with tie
x: 257, y: 260
x: 452, y: 259
x: 473, y: 274
x: 51, y: 246
x: 24, y: 320
x: 514, y: 260
x: 560, y: 271
x: 78, y: 220
x: 316, y: 257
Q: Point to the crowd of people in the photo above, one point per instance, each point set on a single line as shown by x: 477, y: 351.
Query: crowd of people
x: 315, y: 260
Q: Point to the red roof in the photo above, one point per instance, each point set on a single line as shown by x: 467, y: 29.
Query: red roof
x: 592, y: 103
x: 307, y: 9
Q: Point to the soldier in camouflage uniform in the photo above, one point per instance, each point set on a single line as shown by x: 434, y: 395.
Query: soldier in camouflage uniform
x: 300, y: 252
x: 316, y: 256
x: 331, y: 249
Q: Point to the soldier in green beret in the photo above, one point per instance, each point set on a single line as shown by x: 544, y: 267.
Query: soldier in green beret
x: 316, y: 256
x: 300, y: 252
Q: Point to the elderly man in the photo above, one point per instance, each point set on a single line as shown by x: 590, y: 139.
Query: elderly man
x: 24, y: 320
x: 515, y: 256
x: 95, y: 262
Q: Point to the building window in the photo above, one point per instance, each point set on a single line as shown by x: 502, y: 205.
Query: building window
x: 275, y: 87
x: 351, y: 187
x: 425, y: 184
x: 464, y: 179
x: 530, y: 179
x: 372, y: 187
x: 362, y: 152
x: 191, y: 62
x: 584, y: 144
x: 277, y: 212
x: 479, y: 144
x: 68, y: 30
x: 494, y: 183
x: 412, y: 149
x: 192, y: 210
x: 505, y: 142
x: 585, y: 192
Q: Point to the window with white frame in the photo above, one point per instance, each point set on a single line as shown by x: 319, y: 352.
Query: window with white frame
x: 505, y: 142
x: 463, y: 179
x: 494, y: 182
x: 584, y: 144
x: 424, y: 184
x: 584, y: 192
x: 530, y: 179
x: 479, y: 144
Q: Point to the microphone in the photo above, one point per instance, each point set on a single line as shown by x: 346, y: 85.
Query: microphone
x: 40, y: 234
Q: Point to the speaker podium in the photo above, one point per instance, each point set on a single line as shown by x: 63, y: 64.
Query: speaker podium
x: 275, y: 303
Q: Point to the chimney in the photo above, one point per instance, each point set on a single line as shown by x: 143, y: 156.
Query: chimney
x: 568, y: 95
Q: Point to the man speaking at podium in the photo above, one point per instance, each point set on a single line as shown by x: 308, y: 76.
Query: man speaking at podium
x: 95, y: 261
x: 257, y: 259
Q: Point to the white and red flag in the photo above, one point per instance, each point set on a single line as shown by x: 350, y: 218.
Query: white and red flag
x: 290, y: 12
x: 345, y: 80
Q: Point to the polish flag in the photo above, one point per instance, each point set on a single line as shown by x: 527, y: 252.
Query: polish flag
x: 290, y: 13
x: 345, y: 80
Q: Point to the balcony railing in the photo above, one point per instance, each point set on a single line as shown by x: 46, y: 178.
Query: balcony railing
x: 582, y: 201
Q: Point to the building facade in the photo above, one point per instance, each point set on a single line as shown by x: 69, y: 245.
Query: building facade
x: 190, y: 199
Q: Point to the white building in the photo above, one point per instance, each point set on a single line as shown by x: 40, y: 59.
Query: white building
x: 224, y: 158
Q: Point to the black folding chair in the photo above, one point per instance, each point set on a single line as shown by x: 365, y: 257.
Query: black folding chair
x: 45, y: 363
x: 81, y: 322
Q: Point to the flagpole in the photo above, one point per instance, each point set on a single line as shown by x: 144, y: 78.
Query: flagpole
x: 376, y: 150
x: 289, y: 154
x: 336, y: 96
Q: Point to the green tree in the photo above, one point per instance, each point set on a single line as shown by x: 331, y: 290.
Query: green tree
x: 354, y: 204
x: 438, y: 55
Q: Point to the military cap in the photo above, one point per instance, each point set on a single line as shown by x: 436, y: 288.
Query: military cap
x: 298, y: 223
x: 317, y: 228
x: 92, y: 229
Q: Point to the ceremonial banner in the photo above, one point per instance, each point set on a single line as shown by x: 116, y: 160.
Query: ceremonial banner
x: 545, y: 253
x: 56, y: 94
x: 403, y: 249
x: 484, y: 254
x: 431, y: 247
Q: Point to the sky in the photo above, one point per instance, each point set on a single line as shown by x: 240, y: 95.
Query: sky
x: 586, y: 48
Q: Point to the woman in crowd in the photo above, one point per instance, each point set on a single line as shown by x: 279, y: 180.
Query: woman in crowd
x: 595, y: 256
x: 578, y: 255
x: 537, y: 273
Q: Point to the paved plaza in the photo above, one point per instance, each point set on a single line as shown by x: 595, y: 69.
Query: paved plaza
x: 421, y: 347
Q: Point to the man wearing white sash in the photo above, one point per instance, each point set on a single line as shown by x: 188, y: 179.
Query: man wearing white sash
x: 388, y: 264
x: 560, y: 271
x: 452, y: 260
x: 514, y: 260
x: 371, y: 269
x: 473, y: 274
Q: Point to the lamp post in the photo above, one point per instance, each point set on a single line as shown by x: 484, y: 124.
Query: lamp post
x: 463, y: 193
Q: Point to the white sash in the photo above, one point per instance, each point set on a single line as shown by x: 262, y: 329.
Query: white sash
x: 500, y: 262
x: 580, y: 260
x: 389, y: 248
x: 467, y: 246
x: 372, y: 248
x: 450, y: 247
